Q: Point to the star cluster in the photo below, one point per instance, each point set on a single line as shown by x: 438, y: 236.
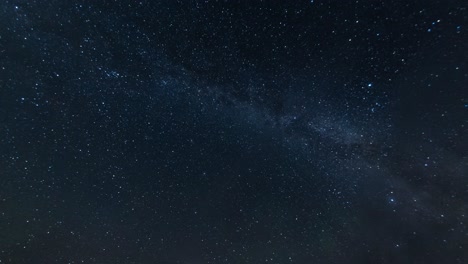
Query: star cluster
x: 218, y: 131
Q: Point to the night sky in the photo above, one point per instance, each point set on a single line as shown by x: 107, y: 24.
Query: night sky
x: 193, y: 132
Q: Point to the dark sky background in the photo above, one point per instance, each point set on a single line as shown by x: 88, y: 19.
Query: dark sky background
x: 194, y: 132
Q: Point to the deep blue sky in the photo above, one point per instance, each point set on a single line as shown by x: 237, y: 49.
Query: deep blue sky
x: 233, y: 131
